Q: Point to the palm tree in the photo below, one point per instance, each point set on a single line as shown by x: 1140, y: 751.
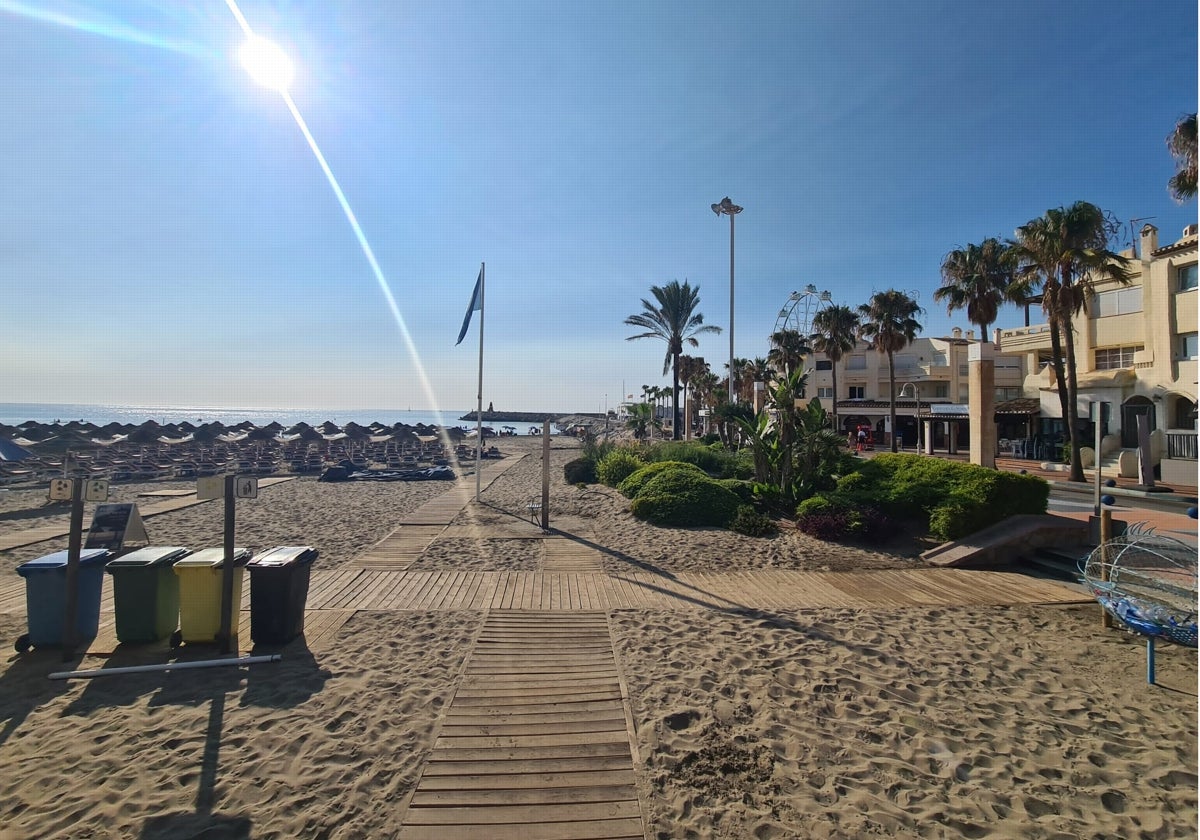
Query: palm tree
x: 889, y: 325
x: 739, y: 374
x: 788, y: 349
x: 758, y: 370
x: 675, y: 321
x: 690, y: 367
x: 835, y: 334
x: 1182, y: 143
x: 978, y: 278
x: 1066, y: 251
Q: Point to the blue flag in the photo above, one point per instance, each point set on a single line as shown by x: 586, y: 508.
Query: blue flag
x: 476, y: 304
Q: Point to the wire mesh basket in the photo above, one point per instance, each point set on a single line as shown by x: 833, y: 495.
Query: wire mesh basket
x: 1147, y: 581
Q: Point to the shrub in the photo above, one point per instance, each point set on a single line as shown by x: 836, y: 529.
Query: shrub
x: 617, y: 465
x: 685, y: 496
x: 816, y: 504
x: 580, y: 471
x: 750, y: 522
x: 714, y: 460
x: 957, y: 499
x: 829, y: 524
x: 633, y: 484
x: 741, y: 488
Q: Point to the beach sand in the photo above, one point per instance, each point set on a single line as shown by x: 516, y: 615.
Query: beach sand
x: 1024, y: 721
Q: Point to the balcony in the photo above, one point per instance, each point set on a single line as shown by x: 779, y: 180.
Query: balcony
x: 1024, y: 339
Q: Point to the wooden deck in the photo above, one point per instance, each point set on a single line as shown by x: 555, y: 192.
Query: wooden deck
x: 536, y: 742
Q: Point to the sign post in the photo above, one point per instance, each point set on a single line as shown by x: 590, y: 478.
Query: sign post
x: 74, y: 545
x: 225, y: 635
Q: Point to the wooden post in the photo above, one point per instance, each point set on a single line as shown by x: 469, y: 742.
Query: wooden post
x: 74, y: 547
x: 545, y: 475
x: 226, y: 634
x: 1105, y: 536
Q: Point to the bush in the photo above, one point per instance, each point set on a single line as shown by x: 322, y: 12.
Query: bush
x: 816, y: 504
x: 684, y: 496
x: 741, y: 488
x: 580, y: 471
x: 633, y: 484
x: 750, y: 522
x: 617, y: 465
x: 972, y: 496
x: 828, y: 524
x: 714, y: 460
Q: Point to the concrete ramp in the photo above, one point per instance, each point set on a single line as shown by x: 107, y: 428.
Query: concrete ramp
x: 1005, y: 541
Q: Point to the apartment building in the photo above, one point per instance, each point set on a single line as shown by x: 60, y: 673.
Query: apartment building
x: 1135, y: 347
x: 931, y: 391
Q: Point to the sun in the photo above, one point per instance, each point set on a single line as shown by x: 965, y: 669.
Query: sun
x: 266, y: 63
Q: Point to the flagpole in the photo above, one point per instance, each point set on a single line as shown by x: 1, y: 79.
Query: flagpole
x: 479, y: 393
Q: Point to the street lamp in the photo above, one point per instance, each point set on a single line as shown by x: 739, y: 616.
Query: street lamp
x: 917, y: 397
x: 728, y: 208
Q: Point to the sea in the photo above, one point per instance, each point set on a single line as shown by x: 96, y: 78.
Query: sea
x: 14, y: 414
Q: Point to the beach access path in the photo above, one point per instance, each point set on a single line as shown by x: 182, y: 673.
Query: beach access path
x: 538, y: 738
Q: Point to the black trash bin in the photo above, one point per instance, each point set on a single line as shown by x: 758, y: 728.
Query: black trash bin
x: 278, y: 592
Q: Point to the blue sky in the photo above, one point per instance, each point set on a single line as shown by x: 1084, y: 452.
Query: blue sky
x: 167, y: 237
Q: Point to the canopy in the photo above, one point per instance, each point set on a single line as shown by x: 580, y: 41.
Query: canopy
x: 10, y: 451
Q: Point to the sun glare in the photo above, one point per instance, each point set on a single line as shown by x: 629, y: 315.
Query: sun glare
x: 266, y: 63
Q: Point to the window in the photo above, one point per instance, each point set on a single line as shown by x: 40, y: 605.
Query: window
x: 824, y: 364
x: 825, y: 393
x: 941, y: 389
x: 939, y: 359
x: 857, y: 392
x: 1187, y: 345
x: 905, y: 360
x: 962, y: 370
x: 964, y: 394
x: 857, y: 363
x: 1008, y: 363
x: 1117, y: 302
x: 1187, y: 277
x: 1006, y: 394
x: 1116, y: 358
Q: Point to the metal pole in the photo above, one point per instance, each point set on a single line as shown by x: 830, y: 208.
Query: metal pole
x: 70, y: 634
x: 226, y: 634
x: 545, y: 475
x: 1096, y: 500
x: 479, y: 393
x: 1105, y: 536
x: 166, y: 666
x: 732, y: 396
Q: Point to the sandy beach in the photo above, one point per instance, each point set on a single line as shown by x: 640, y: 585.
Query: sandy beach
x: 746, y: 722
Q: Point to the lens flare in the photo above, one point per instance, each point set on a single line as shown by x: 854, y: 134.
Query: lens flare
x: 382, y: 282
x: 106, y: 29
x: 266, y: 63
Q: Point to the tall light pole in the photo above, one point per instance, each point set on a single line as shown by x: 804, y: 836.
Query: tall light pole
x: 917, y: 397
x: 728, y: 208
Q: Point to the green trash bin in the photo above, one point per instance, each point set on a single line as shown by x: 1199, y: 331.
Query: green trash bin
x: 146, y: 593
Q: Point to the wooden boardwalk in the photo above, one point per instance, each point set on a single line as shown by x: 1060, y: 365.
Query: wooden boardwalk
x: 536, y: 742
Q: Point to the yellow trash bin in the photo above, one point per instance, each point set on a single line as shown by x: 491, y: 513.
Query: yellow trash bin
x: 200, y: 594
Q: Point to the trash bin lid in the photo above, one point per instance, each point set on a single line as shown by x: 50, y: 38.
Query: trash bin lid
x: 58, y: 560
x: 283, y: 555
x: 152, y: 555
x: 212, y: 558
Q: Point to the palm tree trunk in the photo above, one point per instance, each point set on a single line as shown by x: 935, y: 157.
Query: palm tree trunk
x: 1073, y: 401
x: 892, y: 396
x: 674, y: 396
x: 1060, y: 376
x: 837, y: 427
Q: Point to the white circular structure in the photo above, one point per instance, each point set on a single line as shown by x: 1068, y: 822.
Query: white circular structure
x: 799, y: 310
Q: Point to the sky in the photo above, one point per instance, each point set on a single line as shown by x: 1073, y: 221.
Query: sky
x: 168, y: 238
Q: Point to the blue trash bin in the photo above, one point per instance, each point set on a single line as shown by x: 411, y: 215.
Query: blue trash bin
x: 46, y: 597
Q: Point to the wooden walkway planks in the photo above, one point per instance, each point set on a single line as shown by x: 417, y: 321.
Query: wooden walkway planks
x: 535, y: 743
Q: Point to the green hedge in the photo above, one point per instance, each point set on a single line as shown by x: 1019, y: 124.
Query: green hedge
x: 617, y: 465
x: 684, y: 495
x: 956, y: 498
x: 713, y: 459
x: 633, y: 484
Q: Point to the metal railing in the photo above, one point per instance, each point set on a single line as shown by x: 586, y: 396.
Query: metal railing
x: 1181, y: 446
